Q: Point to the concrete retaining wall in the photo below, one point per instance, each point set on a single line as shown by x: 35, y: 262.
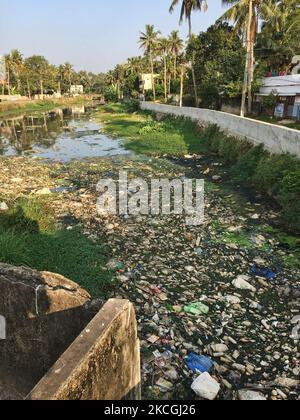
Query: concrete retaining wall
x: 44, y: 313
x: 41, y: 314
x: 276, y: 139
x: 103, y: 363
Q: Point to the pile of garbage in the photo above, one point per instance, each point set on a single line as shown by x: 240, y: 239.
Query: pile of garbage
x: 218, y: 309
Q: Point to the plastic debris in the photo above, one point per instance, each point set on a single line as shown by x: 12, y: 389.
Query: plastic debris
x: 263, y: 272
x: 153, y: 339
x: 246, y: 395
x: 199, y: 363
x: 164, y: 385
x: 197, y: 309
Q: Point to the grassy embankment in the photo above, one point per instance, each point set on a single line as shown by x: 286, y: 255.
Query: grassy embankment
x: 8, y: 109
x: 274, y: 175
x: 29, y: 237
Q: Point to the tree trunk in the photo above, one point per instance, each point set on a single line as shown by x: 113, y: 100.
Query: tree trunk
x: 8, y: 81
x: 247, y: 78
x: 165, y: 78
x: 181, y: 85
x: 42, y: 90
x: 253, y: 34
x: 175, y: 67
x: 193, y: 63
x: 119, y: 90
x: 152, y: 76
x: 28, y: 88
x: 19, y: 84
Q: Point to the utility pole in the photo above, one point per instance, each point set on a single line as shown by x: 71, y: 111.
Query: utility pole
x: 248, y: 76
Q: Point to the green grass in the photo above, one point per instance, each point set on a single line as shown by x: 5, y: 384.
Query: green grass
x: 8, y: 109
x: 28, y: 237
x: 238, y: 238
x: 144, y: 135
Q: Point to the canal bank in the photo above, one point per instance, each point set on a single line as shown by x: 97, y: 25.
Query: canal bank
x: 238, y: 264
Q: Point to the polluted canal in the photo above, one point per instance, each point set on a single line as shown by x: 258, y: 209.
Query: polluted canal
x: 218, y: 305
x: 61, y: 135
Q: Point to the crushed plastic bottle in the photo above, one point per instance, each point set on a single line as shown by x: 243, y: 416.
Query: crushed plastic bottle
x: 196, y: 309
x: 198, y: 363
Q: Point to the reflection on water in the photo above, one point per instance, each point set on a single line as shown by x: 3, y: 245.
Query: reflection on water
x: 62, y: 134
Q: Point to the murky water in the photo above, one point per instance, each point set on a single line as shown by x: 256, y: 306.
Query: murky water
x: 61, y: 135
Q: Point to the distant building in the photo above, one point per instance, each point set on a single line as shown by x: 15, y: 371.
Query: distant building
x: 76, y: 90
x: 286, y: 85
x: 146, y: 82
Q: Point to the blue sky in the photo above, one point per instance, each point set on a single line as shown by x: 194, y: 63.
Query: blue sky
x: 92, y: 34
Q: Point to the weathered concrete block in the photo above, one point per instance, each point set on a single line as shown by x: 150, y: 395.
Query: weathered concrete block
x: 103, y: 363
x: 44, y: 313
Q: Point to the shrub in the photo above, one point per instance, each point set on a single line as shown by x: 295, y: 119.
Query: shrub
x: 289, y: 198
x: 272, y: 169
x: 246, y: 166
x: 111, y: 95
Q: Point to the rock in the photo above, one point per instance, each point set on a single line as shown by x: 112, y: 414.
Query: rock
x: 246, y: 395
x: 232, y: 300
x: 216, y: 178
x: 206, y: 387
x: 44, y: 191
x: 3, y: 206
x: 255, y: 217
x: 241, y: 282
x: 47, y: 308
x: 287, y: 382
x: 219, y: 348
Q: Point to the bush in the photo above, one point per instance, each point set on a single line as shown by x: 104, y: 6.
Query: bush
x: 232, y: 149
x: 271, y: 170
x: 246, y: 166
x: 132, y: 106
x: 289, y: 198
x: 111, y: 95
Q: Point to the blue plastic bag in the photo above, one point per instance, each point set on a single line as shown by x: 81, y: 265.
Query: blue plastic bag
x: 199, y: 363
x: 263, y: 272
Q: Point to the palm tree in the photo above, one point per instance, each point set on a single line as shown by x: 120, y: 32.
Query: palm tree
x: 164, y: 49
x: 280, y: 34
x: 182, y: 66
x: 148, y: 41
x: 245, y: 14
x: 67, y: 72
x: 7, y: 65
x: 187, y: 8
x: 17, y: 63
x: 135, y: 65
x: 110, y: 78
x: 119, y: 74
x: 176, y: 46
